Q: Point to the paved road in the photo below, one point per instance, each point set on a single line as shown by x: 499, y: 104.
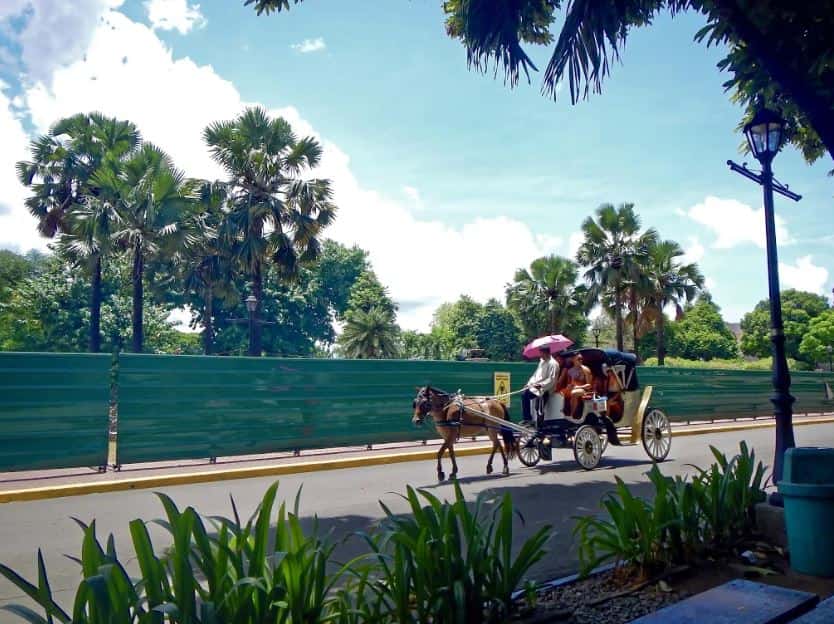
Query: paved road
x: 346, y: 500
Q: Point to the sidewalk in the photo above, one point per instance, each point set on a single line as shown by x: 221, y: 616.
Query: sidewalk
x: 34, y: 485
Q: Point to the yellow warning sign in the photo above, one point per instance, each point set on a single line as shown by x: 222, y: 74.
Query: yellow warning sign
x: 501, y: 385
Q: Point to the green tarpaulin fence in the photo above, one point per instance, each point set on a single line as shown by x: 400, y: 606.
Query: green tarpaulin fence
x: 54, y: 407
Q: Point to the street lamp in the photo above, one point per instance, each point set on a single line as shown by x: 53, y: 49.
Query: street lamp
x: 764, y: 136
x: 830, y: 350
x: 596, y: 330
x: 251, y: 306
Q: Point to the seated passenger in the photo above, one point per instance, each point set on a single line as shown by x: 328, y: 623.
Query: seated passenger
x: 579, y: 382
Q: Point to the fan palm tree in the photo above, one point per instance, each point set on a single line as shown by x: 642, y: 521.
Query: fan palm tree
x: 369, y: 334
x: 275, y: 210
x: 205, y: 267
x: 668, y: 282
x: 546, y: 298
x: 611, y: 253
x: 59, y: 176
x: 149, y: 201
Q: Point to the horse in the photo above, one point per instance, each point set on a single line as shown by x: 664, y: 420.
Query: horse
x: 455, y: 416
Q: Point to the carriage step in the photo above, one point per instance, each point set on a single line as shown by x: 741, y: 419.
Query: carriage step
x: 737, y: 601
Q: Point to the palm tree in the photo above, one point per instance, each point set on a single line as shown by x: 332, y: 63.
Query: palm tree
x: 276, y: 211
x: 369, y: 334
x: 205, y: 267
x: 668, y: 282
x: 149, y: 200
x: 59, y: 175
x: 546, y: 299
x: 611, y: 253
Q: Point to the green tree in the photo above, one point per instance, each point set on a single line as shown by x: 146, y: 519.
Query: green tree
x: 818, y: 342
x: 60, y: 175
x: 336, y: 270
x: 276, y: 212
x: 369, y: 334
x: 149, y: 200
x: 456, y: 324
x: 798, y: 309
x: 368, y: 293
x: 779, y: 48
x: 668, y: 282
x: 612, y: 252
x: 702, y: 334
x: 46, y: 311
x: 547, y: 300
x: 13, y: 269
x: 498, y: 333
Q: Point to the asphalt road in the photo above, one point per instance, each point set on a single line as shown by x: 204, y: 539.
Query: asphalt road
x: 347, y: 501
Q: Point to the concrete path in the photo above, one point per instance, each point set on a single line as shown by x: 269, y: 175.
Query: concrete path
x: 346, y: 501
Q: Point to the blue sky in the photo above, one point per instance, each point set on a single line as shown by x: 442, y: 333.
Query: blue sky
x: 451, y: 179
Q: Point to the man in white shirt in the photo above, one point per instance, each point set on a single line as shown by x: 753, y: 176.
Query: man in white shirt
x: 541, y: 383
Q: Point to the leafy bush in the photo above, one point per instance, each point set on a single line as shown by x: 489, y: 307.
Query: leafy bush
x: 763, y: 364
x: 444, y: 563
x: 711, y: 512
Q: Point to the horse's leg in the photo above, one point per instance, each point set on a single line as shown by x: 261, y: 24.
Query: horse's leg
x: 494, y: 439
x: 506, y: 470
x: 454, y: 473
x: 440, y: 475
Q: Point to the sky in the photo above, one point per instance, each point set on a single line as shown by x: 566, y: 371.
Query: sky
x: 450, y: 179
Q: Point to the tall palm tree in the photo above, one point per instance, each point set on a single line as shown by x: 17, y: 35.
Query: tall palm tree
x: 546, y: 298
x: 150, y: 201
x: 668, y: 282
x: 369, y: 334
x: 205, y: 266
x: 276, y: 211
x: 611, y: 253
x: 59, y: 176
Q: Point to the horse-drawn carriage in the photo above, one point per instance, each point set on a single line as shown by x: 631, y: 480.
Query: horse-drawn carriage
x: 615, y: 406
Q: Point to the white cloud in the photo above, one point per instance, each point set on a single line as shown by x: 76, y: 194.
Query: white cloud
x: 17, y: 227
x: 414, y: 195
x: 55, y: 32
x: 710, y: 283
x: 804, y: 275
x: 310, y: 45
x: 423, y: 262
x: 694, y: 252
x: 735, y: 223
x: 575, y: 241
x: 174, y: 15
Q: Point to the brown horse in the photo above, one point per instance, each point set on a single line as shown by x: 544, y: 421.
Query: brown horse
x: 455, y: 416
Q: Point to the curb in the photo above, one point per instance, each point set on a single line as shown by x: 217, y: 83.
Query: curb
x: 141, y: 483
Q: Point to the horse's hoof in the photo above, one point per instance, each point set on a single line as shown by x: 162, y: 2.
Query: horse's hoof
x: 489, y: 469
x: 441, y: 476
x: 506, y: 471
x: 453, y: 476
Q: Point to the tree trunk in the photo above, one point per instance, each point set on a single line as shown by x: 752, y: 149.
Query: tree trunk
x: 138, y: 296
x: 257, y: 290
x: 95, y: 307
x: 618, y: 315
x: 661, y: 339
x: 208, y: 321
x: 635, y: 322
x: 552, y: 320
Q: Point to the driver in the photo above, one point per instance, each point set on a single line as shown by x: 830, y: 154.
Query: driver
x: 540, y: 384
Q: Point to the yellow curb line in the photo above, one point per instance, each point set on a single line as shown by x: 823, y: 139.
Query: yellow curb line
x: 141, y: 483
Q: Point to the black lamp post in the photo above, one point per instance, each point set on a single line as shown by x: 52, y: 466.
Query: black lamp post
x: 764, y: 135
x: 596, y: 330
x: 251, y: 306
x: 830, y: 350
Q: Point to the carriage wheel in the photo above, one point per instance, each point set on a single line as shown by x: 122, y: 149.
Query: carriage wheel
x: 604, y: 440
x: 587, y: 447
x: 528, y: 449
x: 657, y: 434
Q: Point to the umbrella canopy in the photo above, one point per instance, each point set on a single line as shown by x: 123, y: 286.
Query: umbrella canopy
x: 554, y: 342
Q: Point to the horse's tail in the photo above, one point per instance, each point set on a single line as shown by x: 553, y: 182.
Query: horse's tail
x: 510, y: 444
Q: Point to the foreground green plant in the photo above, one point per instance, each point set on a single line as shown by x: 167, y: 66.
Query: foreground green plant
x: 683, y: 519
x: 443, y: 563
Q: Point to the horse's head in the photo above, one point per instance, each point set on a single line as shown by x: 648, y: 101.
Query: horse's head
x: 422, y: 405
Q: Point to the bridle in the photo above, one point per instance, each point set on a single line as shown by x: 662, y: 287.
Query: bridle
x: 424, y: 402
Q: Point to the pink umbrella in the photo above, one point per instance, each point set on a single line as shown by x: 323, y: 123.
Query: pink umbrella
x: 555, y: 342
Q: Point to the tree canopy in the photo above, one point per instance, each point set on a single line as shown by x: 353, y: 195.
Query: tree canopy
x: 701, y: 334
x: 818, y: 342
x: 798, y: 310
x: 781, y: 49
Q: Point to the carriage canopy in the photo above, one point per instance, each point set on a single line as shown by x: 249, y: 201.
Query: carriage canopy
x: 624, y: 364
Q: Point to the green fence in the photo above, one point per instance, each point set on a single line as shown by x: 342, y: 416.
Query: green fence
x: 53, y: 410
x: 53, y: 407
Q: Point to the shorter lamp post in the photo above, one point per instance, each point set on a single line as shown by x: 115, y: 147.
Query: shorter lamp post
x: 252, y: 307
x: 596, y: 330
x: 830, y: 350
x: 764, y: 136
